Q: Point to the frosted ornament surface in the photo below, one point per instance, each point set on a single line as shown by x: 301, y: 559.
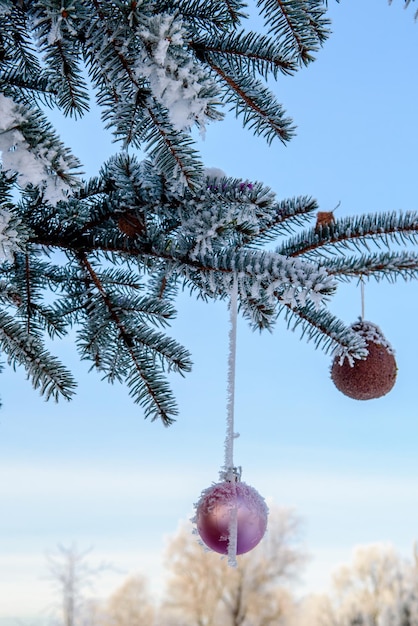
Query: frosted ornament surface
x: 215, y: 513
x: 371, y: 377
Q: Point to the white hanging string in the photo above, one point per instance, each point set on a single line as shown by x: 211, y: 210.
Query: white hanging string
x: 362, y: 298
x: 230, y: 473
x: 230, y: 434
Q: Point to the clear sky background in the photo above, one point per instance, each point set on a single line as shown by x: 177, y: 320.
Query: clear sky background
x: 95, y: 473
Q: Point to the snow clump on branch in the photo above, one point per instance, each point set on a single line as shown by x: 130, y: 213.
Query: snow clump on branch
x: 178, y: 82
x: 10, y: 239
x: 32, y: 163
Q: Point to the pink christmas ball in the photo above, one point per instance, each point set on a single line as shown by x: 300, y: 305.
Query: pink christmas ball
x: 215, y: 511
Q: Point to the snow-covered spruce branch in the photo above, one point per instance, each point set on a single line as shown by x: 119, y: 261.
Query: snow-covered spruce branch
x: 259, y: 109
x: 264, y: 278
x: 267, y: 276
x: 300, y: 26
x: 235, y: 10
x: 21, y: 75
x: 45, y: 371
x: 12, y: 235
x: 122, y: 245
x: 220, y: 214
x: 55, y: 33
x: 212, y: 15
x: 31, y: 149
x: 131, y: 356
x: 146, y: 102
x: 157, y: 70
x: 242, y: 213
x: 355, y: 234
x: 170, y: 155
x: 290, y: 214
x: 380, y: 266
x: 325, y: 330
x: 177, y: 80
x: 24, y: 289
x: 247, y: 53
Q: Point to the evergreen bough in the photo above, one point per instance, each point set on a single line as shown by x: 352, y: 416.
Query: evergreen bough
x: 107, y: 255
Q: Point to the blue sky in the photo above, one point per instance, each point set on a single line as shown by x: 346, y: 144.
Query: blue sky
x: 95, y: 473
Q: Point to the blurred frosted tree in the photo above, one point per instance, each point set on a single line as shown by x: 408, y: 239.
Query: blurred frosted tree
x: 202, y: 590
x: 73, y: 577
x: 130, y: 604
x: 378, y: 588
x: 107, y: 256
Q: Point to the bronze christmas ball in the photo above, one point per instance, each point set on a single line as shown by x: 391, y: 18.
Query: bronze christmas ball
x: 371, y: 377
